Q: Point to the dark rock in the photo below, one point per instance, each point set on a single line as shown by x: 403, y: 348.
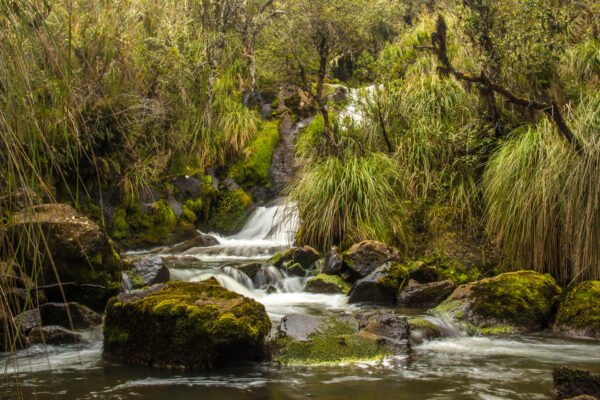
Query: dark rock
x: 387, y: 329
x: 423, y: 273
x: 334, y: 262
x: 294, y: 269
x: 185, y: 325
x: 299, y: 326
x: 11, y: 336
x: 28, y: 320
x: 422, y: 330
x: 328, y: 284
x: 188, y: 187
x: 521, y: 301
x: 570, y: 383
x: 92, y: 296
x: 381, y: 286
x: 579, y: 312
x: 149, y: 195
x: 306, y: 256
x: 426, y: 295
x: 176, y: 206
x: 250, y: 269
x: 148, y: 271
x: 55, y: 335
x: 70, y: 315
x: 365, y: 257
x: 201, y: 240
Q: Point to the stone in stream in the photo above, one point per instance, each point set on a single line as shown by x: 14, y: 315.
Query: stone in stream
x: 426, y: 295
x: 148, y: 271
x: 55, y: 335
x: 514, y: 302
x: 365, y: 257
x: 572, y: 383
x: 299, y: 326
x: 185, y: 325
x: 306, y: 256
x: 381, y: 286
x: 387, y: 329
x: 92, y: 296
x: 250, y: 269
x: 334, y: 262
x: 579, y: 312
x: 327, y: 284
x: 70, y: 315
x: 422, y: 330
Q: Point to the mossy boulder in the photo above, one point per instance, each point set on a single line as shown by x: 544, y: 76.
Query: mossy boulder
x: 438, y: 267
x: 522, y: 301
x: 231, y: 212
x: 426, y: 295
x: 185, y: 326
x: 381, y: 286
x: 331, y: 342
x: 328, y: 284
x: 579, y: 312
x: 422, y: 330
x: 73, y: 246
x: 365, y: 257
x: 295, y: 261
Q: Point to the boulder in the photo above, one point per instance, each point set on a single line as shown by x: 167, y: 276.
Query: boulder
x: 185, y: 325
x: 579, y: 312
x: 422, y: 330
x: 365, y: 257
x: 148, y: 271
x: 92, y: 296
x: 328, y: 284
x: 387, y: 329
x: 202, y: 240
x: 55, y: 335
x: 334, y: 262
x: 381, y: 286
x: 521, y: 301
x: 75, y: 248
x: 70, y: 315
x: 299, y: 326
x: 188, y: 187
x: 250, y: 269
x: 572, y: 383
x: 306, y: 256
x: 426, y: 295
x: 294, y: 269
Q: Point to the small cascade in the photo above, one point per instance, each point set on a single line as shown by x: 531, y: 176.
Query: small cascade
x: 446, y: 328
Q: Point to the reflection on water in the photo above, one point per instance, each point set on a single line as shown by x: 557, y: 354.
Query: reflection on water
x: 454, y: 367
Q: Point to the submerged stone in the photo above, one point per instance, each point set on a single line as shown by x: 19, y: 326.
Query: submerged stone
x: 521, y: 301
x: 185, y: 326
x: 328, y: 284
x: 579, y: 312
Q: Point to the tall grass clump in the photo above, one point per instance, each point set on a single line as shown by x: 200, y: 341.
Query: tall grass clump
x: 543, y: 198
x: 346, y: 199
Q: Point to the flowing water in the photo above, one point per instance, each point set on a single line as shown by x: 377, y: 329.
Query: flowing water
x: 453, y: 367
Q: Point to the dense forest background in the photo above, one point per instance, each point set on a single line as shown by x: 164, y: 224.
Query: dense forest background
x: 479, y: 130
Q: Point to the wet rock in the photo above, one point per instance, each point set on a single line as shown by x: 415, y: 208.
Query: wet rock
x: 185, y: 325
x: 381, y: 286
x: 55, y: 335
x: 28, y: 320
x: 250, y: 269
x: 294, y: 269
x: 92, y: 296
x: 299, y: 326
x: 422, y: 330
x: 521, y: 301
x: 188, y: 186
x: 388, y: 329
x: 328, y: 284
x: 70, y: 315
x: 201, y: 240
x: 334, y: 262
x: 365, y: 257
x: 572, y: 383
x: 75, y: 247
x: 423, y: 273
x: 426, y: 295
x: 579, y: 312
x: 306, y: 256
x: 148, y: 271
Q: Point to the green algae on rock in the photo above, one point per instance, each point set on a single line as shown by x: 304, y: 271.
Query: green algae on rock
x: 579, y: 312
x: 329, y: 284
x: 522, y: 301
x: 185, y: 326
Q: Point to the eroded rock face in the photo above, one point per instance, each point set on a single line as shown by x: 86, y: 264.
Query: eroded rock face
x: 185, y: 326
x: 521, y: 301
x: 426, y: 295
x: 572, y: 383
x: 76, y: 247
x: 365, y: 257
x: 579, y: 312
x: 381, y: 286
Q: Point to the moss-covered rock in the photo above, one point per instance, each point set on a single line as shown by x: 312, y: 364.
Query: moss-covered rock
x: 254, y: 170
x: 231, y: 212
x: 521, y: 301
x: 426, y: 295
x: 381, y: 286
x: 579, y: 312
x: 438, y: 267
x: 334, y: 342
x: 329, y: 284
x: 365, y: 257
x: 185, y: 326
x: 422, y: 330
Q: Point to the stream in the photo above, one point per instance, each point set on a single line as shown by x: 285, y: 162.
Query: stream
x: 453, y: 367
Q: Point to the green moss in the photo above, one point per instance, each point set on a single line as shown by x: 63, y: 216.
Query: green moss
x: 447, y: 268
x: 395, y: 277
x: 231, y: 212
x: 120, y: 227
x: 328, y: 283
x: 429, y: 329
x: 277, y: 260
x: 188, y: 215
x: 184, y: 324
x: 579, y: 312
x: 334, y: 343
x: 254, y: 170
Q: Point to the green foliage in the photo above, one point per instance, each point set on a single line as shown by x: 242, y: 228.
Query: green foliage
x: 345, y: 200
x: 254, y: 170
x: 231, y: 212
